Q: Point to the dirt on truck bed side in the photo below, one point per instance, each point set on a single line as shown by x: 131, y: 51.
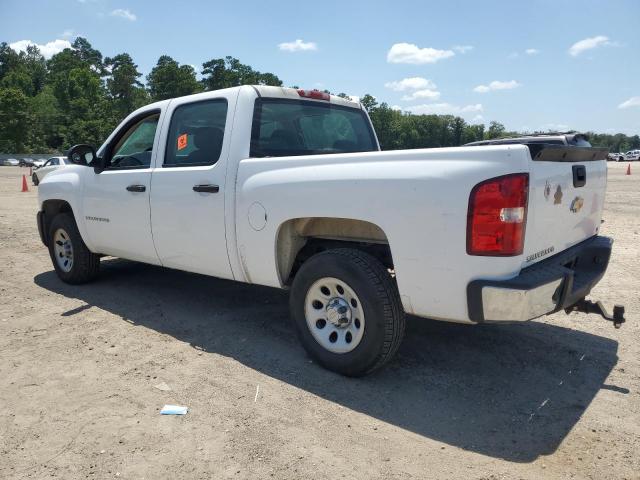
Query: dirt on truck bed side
x: 85, y: 370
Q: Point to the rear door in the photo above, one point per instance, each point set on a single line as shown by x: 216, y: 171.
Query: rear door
x: 566, y: 197
x: 187, y: 187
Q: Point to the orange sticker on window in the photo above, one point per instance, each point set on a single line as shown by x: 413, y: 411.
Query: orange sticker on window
x: 182, y: 141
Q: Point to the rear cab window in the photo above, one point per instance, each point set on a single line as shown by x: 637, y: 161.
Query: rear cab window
x: 287, y: 127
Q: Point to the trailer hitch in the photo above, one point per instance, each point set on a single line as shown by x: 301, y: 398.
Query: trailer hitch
x: 587, y: 306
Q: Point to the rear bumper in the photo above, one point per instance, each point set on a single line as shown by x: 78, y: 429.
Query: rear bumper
x: 548, y: 286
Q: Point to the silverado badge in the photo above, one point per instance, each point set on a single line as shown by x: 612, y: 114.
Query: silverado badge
x: 557, y: 197
x: 577, y: 204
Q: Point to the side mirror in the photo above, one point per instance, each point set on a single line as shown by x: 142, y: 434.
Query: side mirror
x: 82, y: 154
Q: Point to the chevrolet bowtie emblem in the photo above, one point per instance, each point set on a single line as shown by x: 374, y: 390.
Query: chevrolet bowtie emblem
x: 577, y: 204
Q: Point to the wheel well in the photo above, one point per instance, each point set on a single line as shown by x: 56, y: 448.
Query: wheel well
x: 50, y: 209
x: 301, y: 238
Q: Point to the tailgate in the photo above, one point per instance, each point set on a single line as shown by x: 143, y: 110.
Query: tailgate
x: 566, y: 196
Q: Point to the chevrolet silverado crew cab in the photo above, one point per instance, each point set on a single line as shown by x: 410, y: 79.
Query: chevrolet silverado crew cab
x: 288, y: 188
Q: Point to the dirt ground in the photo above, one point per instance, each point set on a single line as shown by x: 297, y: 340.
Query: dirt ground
x: 554, y: 398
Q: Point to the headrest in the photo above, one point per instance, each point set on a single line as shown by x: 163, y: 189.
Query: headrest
x: 207, y: 138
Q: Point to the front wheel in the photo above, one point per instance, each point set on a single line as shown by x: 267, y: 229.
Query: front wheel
x: 347, y: 311
x: 73, y: 262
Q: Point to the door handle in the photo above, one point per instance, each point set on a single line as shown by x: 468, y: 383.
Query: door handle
x: 136, y: 188
x: 206, y: 188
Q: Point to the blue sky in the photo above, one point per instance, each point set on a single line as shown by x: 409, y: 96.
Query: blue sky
x: 530, y: 65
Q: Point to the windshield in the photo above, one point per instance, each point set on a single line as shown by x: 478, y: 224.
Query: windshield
x: 283, y: 127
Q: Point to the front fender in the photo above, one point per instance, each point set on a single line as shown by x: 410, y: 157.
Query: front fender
x: 66, y: 185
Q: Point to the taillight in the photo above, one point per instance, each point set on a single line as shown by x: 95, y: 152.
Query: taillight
x: 315, y: 94
x: 497, y: 216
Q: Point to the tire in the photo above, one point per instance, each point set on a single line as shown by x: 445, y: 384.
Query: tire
x: 362, y: 277
x: 82, y: 265
x: 34, y: 179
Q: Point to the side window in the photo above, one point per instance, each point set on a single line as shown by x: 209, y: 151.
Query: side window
x: 133, y: 148
x: 53, y: 161
x: 48, y: 163
x: 196, y: 133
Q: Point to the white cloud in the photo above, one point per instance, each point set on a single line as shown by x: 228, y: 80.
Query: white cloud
x: 444, y: 109
x: 497, y: 85
x: 462, y: 48
x: 396, y: 107
x: 632, y: 102
x: 297, y: 46
x: 124, y: 13
x: 410, y: 53
x: 532, y: 51
x: 427, y: 94
x: 411, y: 83
x: 588, y: 44
x: 47, y: 50
x: 477, y: 119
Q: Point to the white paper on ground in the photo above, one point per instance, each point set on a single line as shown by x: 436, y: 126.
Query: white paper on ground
x: 173, y: 410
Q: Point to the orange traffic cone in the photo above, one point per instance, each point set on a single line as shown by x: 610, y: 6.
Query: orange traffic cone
x: 629, y: 169
x: 25, y: 187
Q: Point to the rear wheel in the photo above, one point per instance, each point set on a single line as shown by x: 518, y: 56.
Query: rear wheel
x: 347, y: 311
x: 73, y: 262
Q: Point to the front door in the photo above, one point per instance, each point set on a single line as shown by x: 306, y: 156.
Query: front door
x: 187, y: 187
x: 116, y: 201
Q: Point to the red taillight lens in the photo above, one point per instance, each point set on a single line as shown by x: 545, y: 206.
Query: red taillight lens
x: 497, y: 216
x: 315, y: 94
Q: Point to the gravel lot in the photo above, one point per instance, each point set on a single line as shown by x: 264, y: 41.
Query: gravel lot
x: 79, y: 368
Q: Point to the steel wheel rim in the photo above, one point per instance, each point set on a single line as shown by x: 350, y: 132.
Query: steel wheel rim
x: 334, y: 328
x: 63, y: 250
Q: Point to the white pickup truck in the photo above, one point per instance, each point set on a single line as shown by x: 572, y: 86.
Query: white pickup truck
x: 288, y: 188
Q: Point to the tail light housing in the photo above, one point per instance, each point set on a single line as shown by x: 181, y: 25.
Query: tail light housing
x: 497, y: 216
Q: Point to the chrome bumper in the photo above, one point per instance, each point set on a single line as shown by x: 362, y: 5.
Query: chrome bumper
x: 548, y: 286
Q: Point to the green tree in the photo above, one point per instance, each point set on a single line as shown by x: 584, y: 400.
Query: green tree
x: 368, y: 102
x: 496, y: 130
x: 9, y: 59
x: 229, y: 72
x: 126, y: 92
x: 88, y: 55
x: 14, y: 120
x: 168, y: 79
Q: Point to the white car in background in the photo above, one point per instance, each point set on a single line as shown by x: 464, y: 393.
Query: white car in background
x: 39, y: 163
x: 632, y: 155
x: 49, y: 166
x: 11, y: 162
x: 616, y: 157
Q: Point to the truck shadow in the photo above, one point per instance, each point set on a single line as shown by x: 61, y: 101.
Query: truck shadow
x: 510, y: 391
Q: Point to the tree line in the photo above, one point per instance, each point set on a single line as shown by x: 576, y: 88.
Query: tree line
x: 79, y: 96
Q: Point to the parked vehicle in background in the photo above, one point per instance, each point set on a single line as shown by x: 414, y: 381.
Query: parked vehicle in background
x: 39, y: 162
x: 26, y: 162
x: 11, y: 162
x: 54, y: 163
x: 632, y: 155
x: 616, y: 157
x: 289, y: 189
